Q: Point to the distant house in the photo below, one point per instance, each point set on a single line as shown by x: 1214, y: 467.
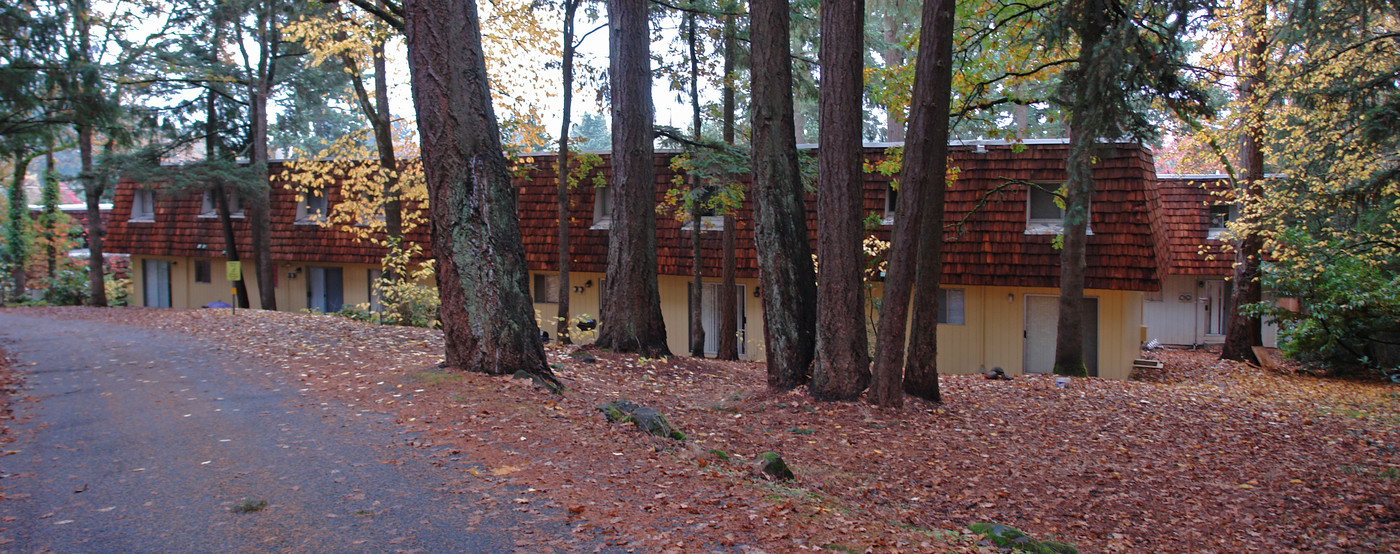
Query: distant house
x: 1000, y: 282
x: 1190, y: 217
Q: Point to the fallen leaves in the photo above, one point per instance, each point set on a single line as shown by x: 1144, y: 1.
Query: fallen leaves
x: 1204, y: 456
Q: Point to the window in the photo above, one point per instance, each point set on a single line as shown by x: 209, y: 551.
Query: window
x: 202, y: 272
x: 1220, y: 217
x: 207, y: 207
x: 1044, y: 207
x: 547, y: 288
x: 950, y: 306
x: 891, y: 204
x: 155, y: 283
x: 602, y: 207
x: 312, y: 208
x: 1045, y: 214
x: 143, y: 205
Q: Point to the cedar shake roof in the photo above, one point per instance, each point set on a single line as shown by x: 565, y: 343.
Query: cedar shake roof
x: 1181, y: 222
x: 989, y: 248
x: 178, y: 230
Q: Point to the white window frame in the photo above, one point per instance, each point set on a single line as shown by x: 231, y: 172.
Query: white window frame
x: 143, y: 205
x: 546, y: 288
x: 891, y: 204
x: 307, y: 214
x: 1043, y: 225
x: 1232, y: 213
x: 207, y: 208
x: 948, y: 299
x: 602, y: 207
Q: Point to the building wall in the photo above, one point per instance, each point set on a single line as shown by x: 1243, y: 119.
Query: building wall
x: 1177, y: 316
x: 291, y: 283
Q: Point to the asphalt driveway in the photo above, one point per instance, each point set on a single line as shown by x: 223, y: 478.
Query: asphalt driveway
x: 141, y: 440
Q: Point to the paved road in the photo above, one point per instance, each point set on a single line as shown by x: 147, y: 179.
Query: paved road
x: 140, y: 440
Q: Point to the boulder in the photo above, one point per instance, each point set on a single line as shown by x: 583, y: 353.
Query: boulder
x: 647, y: 419
x: 771, y: 466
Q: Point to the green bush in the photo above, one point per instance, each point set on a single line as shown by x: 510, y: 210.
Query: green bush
x: 1346, y: 306
x: 67, y: 287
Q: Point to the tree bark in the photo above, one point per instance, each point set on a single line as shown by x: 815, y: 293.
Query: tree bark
x: 727, y: 347
x: 841, y: 370
x: 916, y: 253
x: 697, y: 290
x: 1069, y: 331
x: 50, y: 211
x: 19, y: 214
x: 781, y: 239
x: 213, y: 151
x: 487, y: 316
x: 1243, y: 332
x: 562, y: 196
x: 259, y: 216
x: 92, y: 191
x: 631, y: 316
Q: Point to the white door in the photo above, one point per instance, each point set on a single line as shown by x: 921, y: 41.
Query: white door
x: 1042, y: 322
x: 1215, y: 308
x: 155, y: 283
x: 709, y: 317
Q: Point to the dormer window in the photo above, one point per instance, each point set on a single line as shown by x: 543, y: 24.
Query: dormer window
x: 312, y: 208
x: 208, y: 208
x: 143, y: 205
x: 891, y: 204
x: 602, y: 207
x: 1220, y: 217
x: 1045, y: 214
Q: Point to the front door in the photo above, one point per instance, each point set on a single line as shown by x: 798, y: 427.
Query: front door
x: 709, y: 317
x: 1042, y: 321
x: 155, y: 283
x: 324, y: 289
x: 1215, y: 308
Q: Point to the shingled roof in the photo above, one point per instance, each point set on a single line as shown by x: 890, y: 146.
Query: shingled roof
x: 985, y: 225
x: 1181, y: 224
x: 178, y: 230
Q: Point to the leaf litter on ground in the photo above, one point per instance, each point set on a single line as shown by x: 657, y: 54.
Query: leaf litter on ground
x: 1203, y: 455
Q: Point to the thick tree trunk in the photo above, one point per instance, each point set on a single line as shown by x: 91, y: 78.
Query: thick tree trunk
x: 697, y: 290
x: 259, y: 210
x: 1069, y: 332
x: 562, y: 196
x: 93, y: 188
x: 1243, y: 332
x: 631, y: 316
x: 915, y: 253
x: 487, y: 316
x: 841, y: 370
x: 786, y: 279
x: 727, y: 347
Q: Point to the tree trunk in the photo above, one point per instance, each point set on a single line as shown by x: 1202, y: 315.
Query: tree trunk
x: 697, y: 290
x: 259, y: 215
x: 781, y: 239
x: 1243, y: 332
x: 487, y: 316
x: 727, y: 347
x: 92, y: 189
x: 18, y: 247
x: 1069, y: 331
x: 916, y: 250
x: 212, y: 152
x: 50, y: 211
x: 894, y: 55
x: 562, y: 197
x: 631, y: 316
x: 842, y: 367
x: 383, y: 121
